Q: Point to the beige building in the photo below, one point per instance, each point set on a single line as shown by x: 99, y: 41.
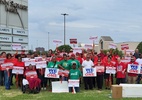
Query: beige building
x: 13, y: 24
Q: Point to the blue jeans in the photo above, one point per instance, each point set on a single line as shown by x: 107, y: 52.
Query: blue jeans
x: 77, y: 89
x: 6, y: 80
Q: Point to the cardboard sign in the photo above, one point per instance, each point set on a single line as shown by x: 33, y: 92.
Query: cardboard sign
x: 110, y: 70
x: 57, y: 42
x: 7, y: 66
x: 130, y: 51
x: 30, y: 61
x: 89, y: 72
x: 31, y: 74
x: 25, y: 59
x: 112, y: 46
x: 73, y: 83
x: 51, y: 73
x: 100, y: 68
x: 124, y: 46
x: 2, y: 60
x: 38, y: 59
x: 125, y: 61
x: 132, y: 68
x: 88, y: 46
x: 64, y: 73
x: 41, y: 64
x: 73, y: 41
x: 75, y: 50
x: 93, y: 38
x: 60, y: 87
x: 18, y: 70
x: 16, y: 46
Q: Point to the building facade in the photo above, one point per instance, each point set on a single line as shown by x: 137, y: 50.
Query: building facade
x: 13, y: 24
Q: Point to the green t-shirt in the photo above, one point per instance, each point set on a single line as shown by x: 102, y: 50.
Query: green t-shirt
x: 75, y: 74
x: 52, y: 65
x: 71, y: 61
x: 65, y: 64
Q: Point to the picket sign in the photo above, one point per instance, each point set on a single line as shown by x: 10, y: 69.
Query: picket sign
x: 31, y: 74
x: 60, y: 87
x: 30, y: 61
x: 16, y: 46
x: 110, y: 70
x: 100, y: 68
x: 112, y: 46
x: 73, y: 83
x: 88, y: 46
x: 25, y: 59
x: 77, y: 49
x: 130, y: 51
x: 93, y: 38
x: 7, y: 66
x: 18, y: 70
x: 38, y: 59
x: 124, y: 46
x: 125, y: 61
x: 41, y: 64
x: 48, y: 59
x: 64, y: 73
x: 89, y: 72
x: 133, y: 68
x: 51, y: 73
x: 2, y: 60
x: 57, y: 42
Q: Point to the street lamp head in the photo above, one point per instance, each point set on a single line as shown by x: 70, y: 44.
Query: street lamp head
x: 64, y: 14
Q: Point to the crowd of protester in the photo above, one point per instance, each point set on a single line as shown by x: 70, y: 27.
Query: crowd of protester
x: 74, y: 63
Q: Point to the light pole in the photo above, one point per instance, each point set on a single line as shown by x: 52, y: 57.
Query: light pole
x: 64, y: 27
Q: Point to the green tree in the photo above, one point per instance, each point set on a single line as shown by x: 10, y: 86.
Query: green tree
x: 140, y: 47
x: 65, y: 47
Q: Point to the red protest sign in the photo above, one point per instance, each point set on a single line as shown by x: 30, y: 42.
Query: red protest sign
x: 124, y: 46
x: 6, y: 66
x: 73, y: 41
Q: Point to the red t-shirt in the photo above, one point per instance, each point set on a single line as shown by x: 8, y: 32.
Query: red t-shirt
x: 79, y: 59
x: 119, y: 68
x: 20, y: 64
x: 95, y: 59
x: 132, y: 74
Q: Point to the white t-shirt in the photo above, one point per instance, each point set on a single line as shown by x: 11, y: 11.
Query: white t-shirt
x: 139, y: 61
x: 87, y: 64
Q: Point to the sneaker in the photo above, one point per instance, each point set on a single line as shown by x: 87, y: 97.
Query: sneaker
x: 42, y: 88
x: 45, y: 88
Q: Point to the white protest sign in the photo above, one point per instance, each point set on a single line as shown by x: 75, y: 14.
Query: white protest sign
x: 16, y: 46
x: 89, y: 72
x: 64, y: 73
x: 59, y: 87
x: 93, y: 38
x: 25, y: 59
x: 6, y: 66
x: 38, y: 59
x: 73, y: 83
x: 57, y: 42
x: 41, y: 64
x: 2, y: 60
x: 112, y: 46
x: 18, y: 70
x: 75, y: 50
x: 130, y: 51
x: 133, y: 68
x: 30, y: 61
x: 88, y: 46
x: 125, y: 60
x: 100, y: 68
x: 110, y: 70
x: 31, y: 74
x: 51, y: 73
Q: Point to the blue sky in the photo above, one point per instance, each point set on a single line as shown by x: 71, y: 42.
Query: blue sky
x: 120, y: 19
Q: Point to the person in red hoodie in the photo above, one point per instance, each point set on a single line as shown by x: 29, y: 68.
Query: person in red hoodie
x: 108, y: 77
x: 19, y: 78
x: 120, y: 71
x: 78, y: 58
x: 131, y: 76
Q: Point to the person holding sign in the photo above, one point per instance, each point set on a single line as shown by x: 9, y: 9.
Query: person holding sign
x: 100, y: 73
x: 120, y: 71
x: 19, y: 77
x: 64, y: 65
x: 74, y: 74
x: 132, y: 69
x: 8, y: 72
x: 88, y: 81
x: 139, y: 61
x: 108, y: 76
x: 2, y: 57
